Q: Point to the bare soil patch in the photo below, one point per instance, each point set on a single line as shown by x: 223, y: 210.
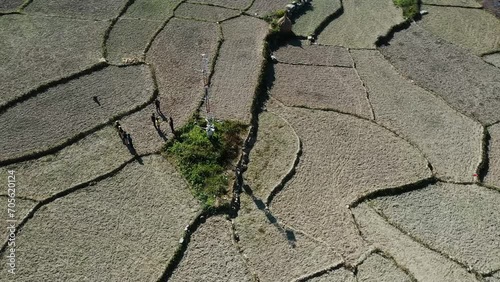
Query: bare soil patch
x: 151, y: 9
x: 338, y: 275
x: 22, y: 208
x: 422, y: 263
x: 265, y: 7
x: 493, y: 59
x: 466, y: 82
x: 461, y: 3
x: 274, y: 251
x: 343, y: 158
x: 377, y: 268
x: 320, y: 88
x: 458, y: 220
x: 300, y: 52
x: 91, y: 9
x: 493, y: 176
x: 125, y: 228
x: 235, y: 4
x: 11, y: 5
x: 492, y: 7
x: 238, y: 68
x: 64, y: 111
x: 25, y: 67
x: 451, y: 141
x: 314, y: 15
x: 128, y: 39
x: 177, y: 61
x: 478, y: 31
x: 362, y: 22
x: 212, y: 256
x: 205, y: 12
x: 272, y: 156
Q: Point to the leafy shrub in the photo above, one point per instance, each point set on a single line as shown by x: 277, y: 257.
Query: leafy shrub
x: 410, y: 7
x: 204, y: 161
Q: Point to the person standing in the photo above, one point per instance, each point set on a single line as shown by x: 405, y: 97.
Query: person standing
x: 157, y: 106
x: 171, y: 123
x: 153, y: 119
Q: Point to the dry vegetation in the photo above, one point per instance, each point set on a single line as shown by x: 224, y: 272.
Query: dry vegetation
x: 361, y: 23
x: 66, y: 110
x: 91, y: 9
x: 300, y: 52
x: 460, y: 221
x: 422, y: 263
x: 128, y: 39
x: 25, y: 67
x: 205, y: 12
x: 343, y: 159
x: 177, y: 61
x: 238, y: 68
x: 493, y: 176
x: 314, y: 15
x: 212, y: 256
x: 466, y: 82
x: 125, y: 228
x: 272, y: 156
x: 275, y: 251
x: 451, y: 141
x: 320, y: 88
x: 478, y: 31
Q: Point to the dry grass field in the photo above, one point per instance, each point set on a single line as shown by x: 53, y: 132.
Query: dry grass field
x: 301, y: 53
x: 238, y: 68
x: 343, y: 158
x: 125, y: 228
x: 423, y: 263
x: 90, y: 9
x: 212, y: 255
x: 205, y: 12
x: 451, y: 141
x: 466, y: 82
x: 272, y: 156
x: 177, y: 61
x: 24, y: 67
x: 66, y: 110
x: 362, y: 22
x: 320, y: 88
x: 478, y: 31
x: 313, y: 17
x: 460, y: 221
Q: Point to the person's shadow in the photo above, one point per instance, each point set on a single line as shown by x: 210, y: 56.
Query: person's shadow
x: 162, y: 135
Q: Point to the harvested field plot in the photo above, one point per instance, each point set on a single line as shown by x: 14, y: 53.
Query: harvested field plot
x: 151, y: 9
x: 274, y: 251
x: 128, y: 39
x: 66, y: 110
x: 126, y: 227
x: 377, y: 268
x: 451, y: 141
x: 91, y: 9
x: 177, y: 60
x: 337, y: 275
x: 265, y: 7
x: 238, y: 68
x: 320, y: 88
x: 272, y: 156
x: 24, y: 67
x: 12, y: 5
x: 317, y: 55
x: 459, y: 3
x: 234, y: 4
x: 422, y: 263
x: 314, y: 16
x: 212, y: 255
x: 493, y: 176
x: 205, y: 12
x: 458, y: 220
x: 493, y: 59
x: 95, y: 155
x: 343, y: 159
x: 362, y: 22
x: 22, y: 208
x: 478, y: 31
x: 465, y: 81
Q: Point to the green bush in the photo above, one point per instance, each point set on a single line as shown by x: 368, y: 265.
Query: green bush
x: 410, y: 7
x: 204, y: 161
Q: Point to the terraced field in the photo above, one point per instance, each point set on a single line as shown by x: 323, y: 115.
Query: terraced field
x: 373, y: 152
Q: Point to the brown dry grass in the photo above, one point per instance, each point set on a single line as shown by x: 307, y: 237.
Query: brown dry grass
x: 125, y: 228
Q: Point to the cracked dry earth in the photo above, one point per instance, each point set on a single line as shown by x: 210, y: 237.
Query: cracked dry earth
x: 374, y: 157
